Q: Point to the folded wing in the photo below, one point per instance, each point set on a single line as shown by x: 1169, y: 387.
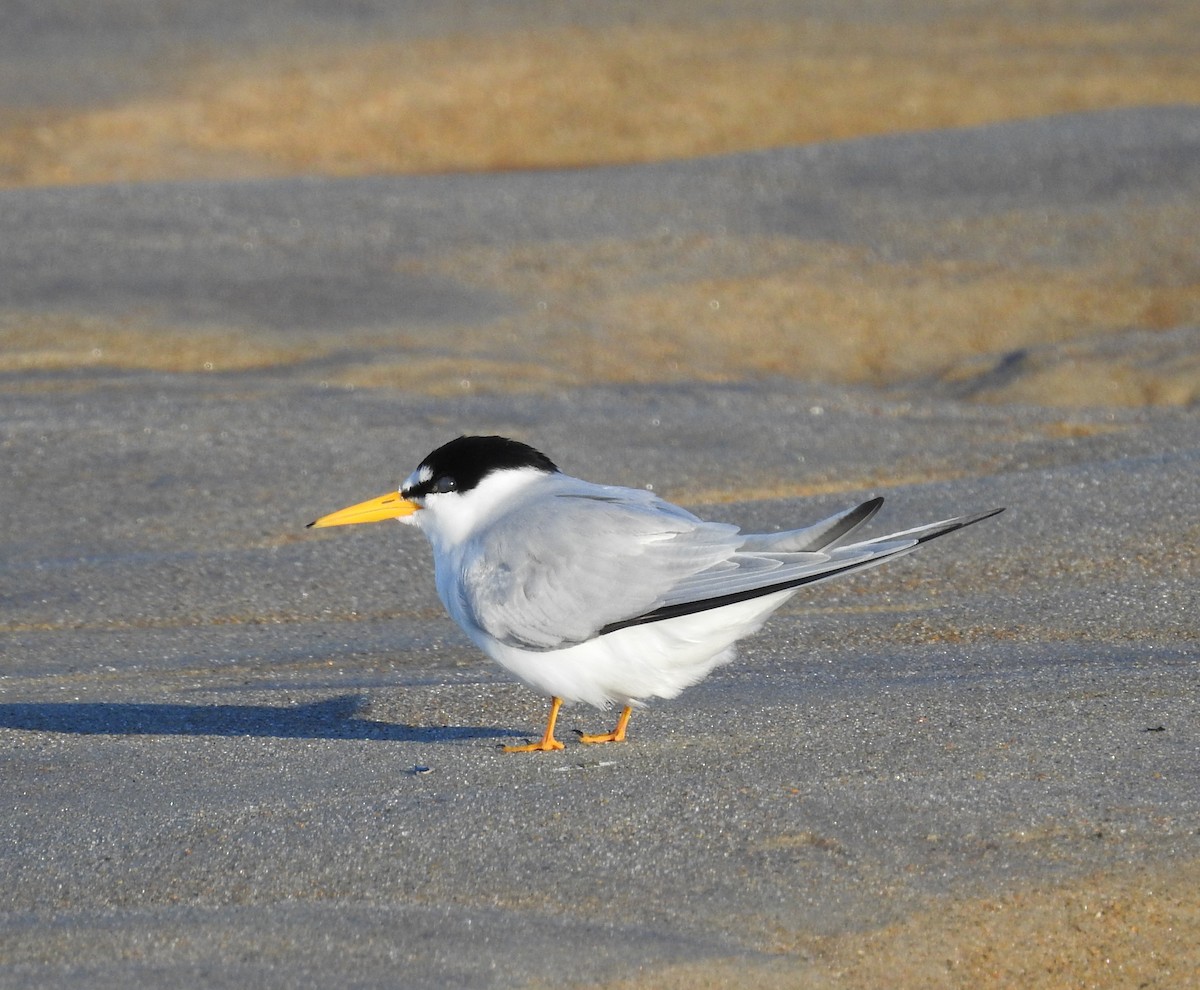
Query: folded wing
x: 742, y: 577
x: 560, y: 568
x: 585, y: 562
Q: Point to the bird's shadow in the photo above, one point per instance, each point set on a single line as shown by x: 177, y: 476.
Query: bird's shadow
x: 332, y: 718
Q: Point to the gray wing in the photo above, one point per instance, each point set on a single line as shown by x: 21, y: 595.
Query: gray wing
x: 579, y: 563
x: 749, y: 575
x: 560, y: 568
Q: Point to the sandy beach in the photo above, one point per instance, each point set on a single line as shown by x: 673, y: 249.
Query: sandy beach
x: 256, y: 264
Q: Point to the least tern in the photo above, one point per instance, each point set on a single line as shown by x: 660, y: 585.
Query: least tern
x: 603, y: 594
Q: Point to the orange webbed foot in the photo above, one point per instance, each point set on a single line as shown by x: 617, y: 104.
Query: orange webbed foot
x: 547, y: 744
x: 617, y: 734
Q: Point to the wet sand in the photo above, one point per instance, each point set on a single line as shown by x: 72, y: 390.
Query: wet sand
x: 246, y: 755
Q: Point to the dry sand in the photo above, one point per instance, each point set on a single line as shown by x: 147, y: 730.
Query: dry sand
x: 705, y: 308
x: 893, y: 314
x: 1121, y: 928
x: 555, y: 97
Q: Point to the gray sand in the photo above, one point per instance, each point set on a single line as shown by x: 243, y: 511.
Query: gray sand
x: 214, y: 726
x: 243, y: 755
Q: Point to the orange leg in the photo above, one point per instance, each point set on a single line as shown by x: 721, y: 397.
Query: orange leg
x: 548, y: 743
x: 617, y: 734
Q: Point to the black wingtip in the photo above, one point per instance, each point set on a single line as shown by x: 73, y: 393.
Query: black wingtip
x: 906, y: 544
x: 955, y: 525
x: 867, y: 510
x: 984, y: 515
x: 310, y: 525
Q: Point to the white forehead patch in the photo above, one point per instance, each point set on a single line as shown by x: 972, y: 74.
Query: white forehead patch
x: 418, y: 477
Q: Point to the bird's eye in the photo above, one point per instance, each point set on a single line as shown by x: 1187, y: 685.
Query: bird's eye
x: 444, y: 484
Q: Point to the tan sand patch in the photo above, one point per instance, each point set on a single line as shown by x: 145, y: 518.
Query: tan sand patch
x: 569, y: 97
x: 811, y: 488
x: 880, y: 323
x: 1075, y: 375
x: 651, y: 311
x: 62, y: 341
x: 1128, y: 929
x: 449, y: 376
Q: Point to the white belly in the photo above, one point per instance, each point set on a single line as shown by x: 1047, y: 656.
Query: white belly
x: 655, y: 660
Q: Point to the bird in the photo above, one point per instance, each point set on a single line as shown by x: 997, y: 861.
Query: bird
x: 604, y: 594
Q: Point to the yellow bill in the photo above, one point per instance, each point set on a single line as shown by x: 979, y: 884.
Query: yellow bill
x: 393, y: 505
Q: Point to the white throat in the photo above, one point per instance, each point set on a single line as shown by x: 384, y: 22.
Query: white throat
x: 449, y: 520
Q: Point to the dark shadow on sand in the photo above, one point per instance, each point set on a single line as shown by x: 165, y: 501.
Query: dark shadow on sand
x: 333, y: 718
